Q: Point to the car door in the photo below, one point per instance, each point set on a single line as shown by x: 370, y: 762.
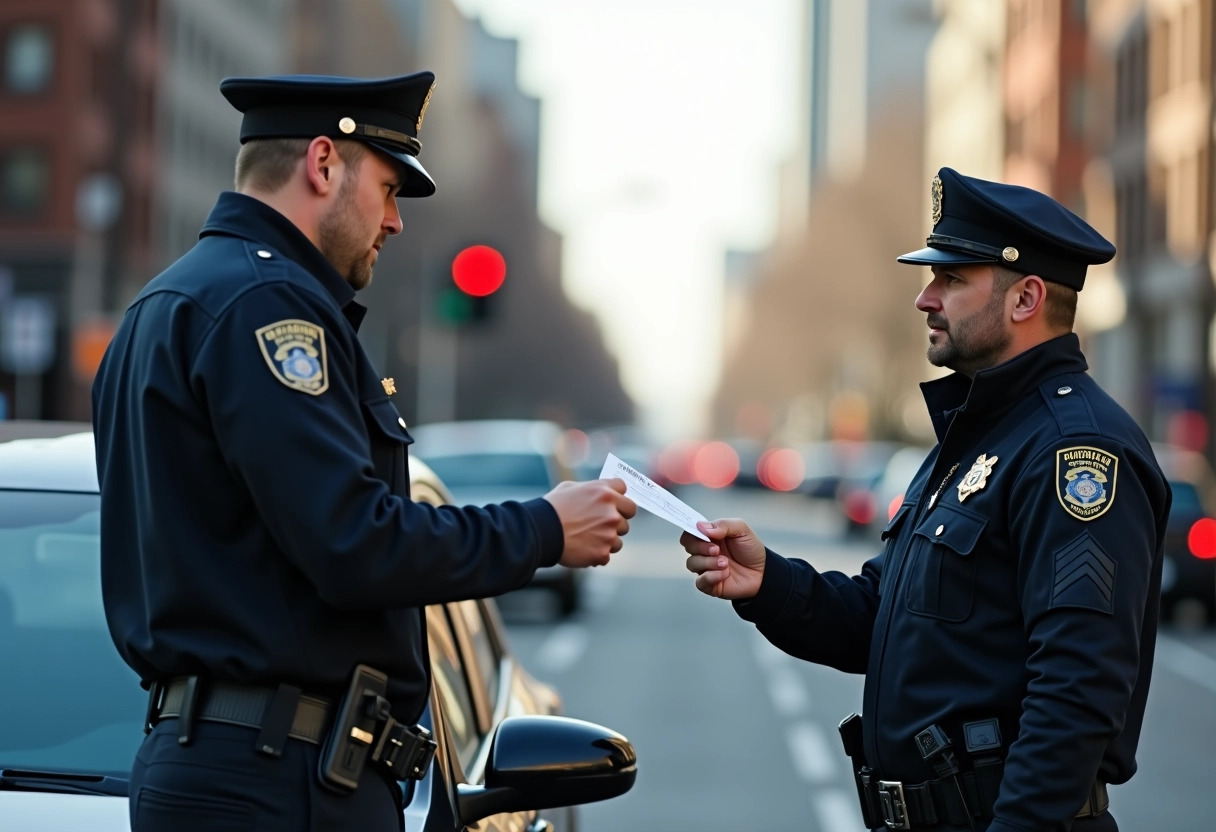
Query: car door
x: 467, y: 724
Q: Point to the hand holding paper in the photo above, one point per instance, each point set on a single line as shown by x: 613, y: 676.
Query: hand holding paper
x: 653, y: 497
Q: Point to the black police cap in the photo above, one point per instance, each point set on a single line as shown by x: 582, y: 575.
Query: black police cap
x: 977, y: 221
x: 385, y: 113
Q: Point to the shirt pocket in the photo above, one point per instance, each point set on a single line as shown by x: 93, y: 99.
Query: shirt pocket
x: 389, y: 440
x: 940, y: 579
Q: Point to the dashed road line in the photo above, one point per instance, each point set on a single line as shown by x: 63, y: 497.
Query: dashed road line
x: 562, y: 649
x: 812, y: 759
x: 836, y: 811
x: 788, y: 692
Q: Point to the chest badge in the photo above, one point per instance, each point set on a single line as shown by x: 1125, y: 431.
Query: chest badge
x: 976, y: 478
x: 390, y: 386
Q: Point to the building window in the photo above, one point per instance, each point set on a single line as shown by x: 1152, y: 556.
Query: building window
x: 29, y: 58
x: 25, y: 179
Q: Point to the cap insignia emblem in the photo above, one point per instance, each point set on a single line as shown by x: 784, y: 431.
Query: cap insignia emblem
x: 976, y: 478
x: 1010, y: 254
x: 390, y: 386
x: 426, y: 102
x: 347, y: 125
x: 936, y: 192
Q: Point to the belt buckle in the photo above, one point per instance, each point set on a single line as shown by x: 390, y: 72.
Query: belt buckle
x: 894, y: 806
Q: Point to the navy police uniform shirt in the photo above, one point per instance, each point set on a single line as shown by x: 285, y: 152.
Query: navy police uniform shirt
x: 256, y: 521
x: 1016, y: 599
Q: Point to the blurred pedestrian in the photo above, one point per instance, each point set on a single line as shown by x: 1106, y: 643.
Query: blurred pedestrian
x: 1007, y: 629
x: 258, y: 538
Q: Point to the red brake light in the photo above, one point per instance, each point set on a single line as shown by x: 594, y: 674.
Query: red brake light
x: 1201, y: 539
x: 893, y: 506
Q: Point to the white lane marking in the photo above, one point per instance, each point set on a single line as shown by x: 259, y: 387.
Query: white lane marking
x: 767, y: 656
x: 563, y: 648
x: 599, y: 590
x: 836, y: 811
x: 1187, y: 662
x: 788, y: 691
x: 812, y: 759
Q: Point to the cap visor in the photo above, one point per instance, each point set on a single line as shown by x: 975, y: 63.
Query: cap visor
x: 416, y: 182
x: 940, y: 257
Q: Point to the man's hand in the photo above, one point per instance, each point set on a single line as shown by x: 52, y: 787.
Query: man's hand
x: 595, y: 516
x: 731, y: 564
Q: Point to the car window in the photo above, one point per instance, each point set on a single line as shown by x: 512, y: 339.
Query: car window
x: 54, y: 643
x: 453, y: 688
x: 493, y: 469
x: 1186, y: 501
x: 481, y: 655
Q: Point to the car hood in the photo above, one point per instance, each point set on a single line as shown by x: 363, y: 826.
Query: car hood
x: 46, y: 812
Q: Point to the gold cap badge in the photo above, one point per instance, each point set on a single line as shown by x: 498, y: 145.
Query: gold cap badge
x: 1010, y: 254
x: 936, y: 192
x: 347, y: 125
x: 426, y: 102
x: 390, y: 386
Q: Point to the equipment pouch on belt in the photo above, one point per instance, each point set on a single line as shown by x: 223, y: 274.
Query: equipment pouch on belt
x: 363, y: 730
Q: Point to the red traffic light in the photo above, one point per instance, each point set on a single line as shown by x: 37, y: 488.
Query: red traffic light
x: 479, y: 271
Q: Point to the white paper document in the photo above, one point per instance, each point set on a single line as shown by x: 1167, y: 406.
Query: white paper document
x: 653, y: 497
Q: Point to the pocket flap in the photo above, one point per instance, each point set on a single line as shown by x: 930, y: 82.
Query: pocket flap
x: 954, y: 527
x: 897, y: 520
x: 384, y: 415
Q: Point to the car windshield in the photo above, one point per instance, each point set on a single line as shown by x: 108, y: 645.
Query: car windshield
x: 1186, y: 501
x: 498, y: 469
x: 68, y: 703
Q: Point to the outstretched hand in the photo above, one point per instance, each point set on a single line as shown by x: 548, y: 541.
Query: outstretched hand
x: 730, y: 564
x: 594, y: 516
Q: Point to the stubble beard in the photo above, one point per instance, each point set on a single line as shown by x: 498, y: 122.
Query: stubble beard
x: 342, y: 236
x: 975, y: 343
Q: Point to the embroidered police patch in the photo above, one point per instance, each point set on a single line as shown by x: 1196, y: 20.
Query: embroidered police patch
x: 1085, y: 481
x: 295, y: 352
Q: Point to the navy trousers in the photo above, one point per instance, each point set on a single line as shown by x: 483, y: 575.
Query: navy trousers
x: 219, y: 783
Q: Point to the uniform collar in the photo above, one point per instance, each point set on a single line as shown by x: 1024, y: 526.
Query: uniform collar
x: 243, y: 216
x: 997, y: 387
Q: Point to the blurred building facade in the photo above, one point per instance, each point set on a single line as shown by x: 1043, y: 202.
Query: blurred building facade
x: 114, y: 143
x: 819, y: 334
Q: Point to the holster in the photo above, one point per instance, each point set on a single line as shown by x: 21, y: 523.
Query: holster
x: 854, y: 747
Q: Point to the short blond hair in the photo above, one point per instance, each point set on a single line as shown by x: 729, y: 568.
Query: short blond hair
x: 267, y: 164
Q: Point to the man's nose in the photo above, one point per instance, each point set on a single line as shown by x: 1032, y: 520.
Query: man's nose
x: 926, y: 301
x: 392, y: 218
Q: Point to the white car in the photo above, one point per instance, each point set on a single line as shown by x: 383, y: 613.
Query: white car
x: 71, y: 712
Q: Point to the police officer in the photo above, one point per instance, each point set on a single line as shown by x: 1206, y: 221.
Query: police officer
x: 1007, y: 628
x: 258, y: 537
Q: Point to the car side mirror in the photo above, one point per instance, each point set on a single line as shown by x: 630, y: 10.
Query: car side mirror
x: 544, y: 762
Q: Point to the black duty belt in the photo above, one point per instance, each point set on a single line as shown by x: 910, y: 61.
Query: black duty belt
x: 938, y: 802
x: 245, y: 705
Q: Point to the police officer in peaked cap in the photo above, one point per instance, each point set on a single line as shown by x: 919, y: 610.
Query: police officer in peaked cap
x: 1006, y: 629
x: 259, y: 543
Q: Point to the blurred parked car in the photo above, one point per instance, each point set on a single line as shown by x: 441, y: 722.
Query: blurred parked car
x: 495, y: 460
x: 888, y: 492
x: 1189, y: 569
x: 72, y: 713
x: 834, y: 467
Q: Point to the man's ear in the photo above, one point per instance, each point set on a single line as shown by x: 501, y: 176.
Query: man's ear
x: 322, y: 165
x: 1031, y: 293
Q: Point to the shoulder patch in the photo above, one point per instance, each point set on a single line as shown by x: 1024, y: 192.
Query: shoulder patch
x: 1085, y: 481
x: 295, y: 353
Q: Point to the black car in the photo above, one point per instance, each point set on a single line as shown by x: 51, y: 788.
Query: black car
x: 1188, y: 576
x: 71, y: 712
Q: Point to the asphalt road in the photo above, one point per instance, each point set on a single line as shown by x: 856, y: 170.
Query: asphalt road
x: 734, y: 735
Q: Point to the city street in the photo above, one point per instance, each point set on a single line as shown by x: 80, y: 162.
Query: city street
x: 732, y: 734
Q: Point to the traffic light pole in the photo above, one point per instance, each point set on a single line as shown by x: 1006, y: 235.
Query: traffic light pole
x: 437, y: 356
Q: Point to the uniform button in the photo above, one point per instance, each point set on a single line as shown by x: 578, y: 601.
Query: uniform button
x: 401, y: 421
x: 1063, y: 391
x: 939, y: 530
x: 264, y: 254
